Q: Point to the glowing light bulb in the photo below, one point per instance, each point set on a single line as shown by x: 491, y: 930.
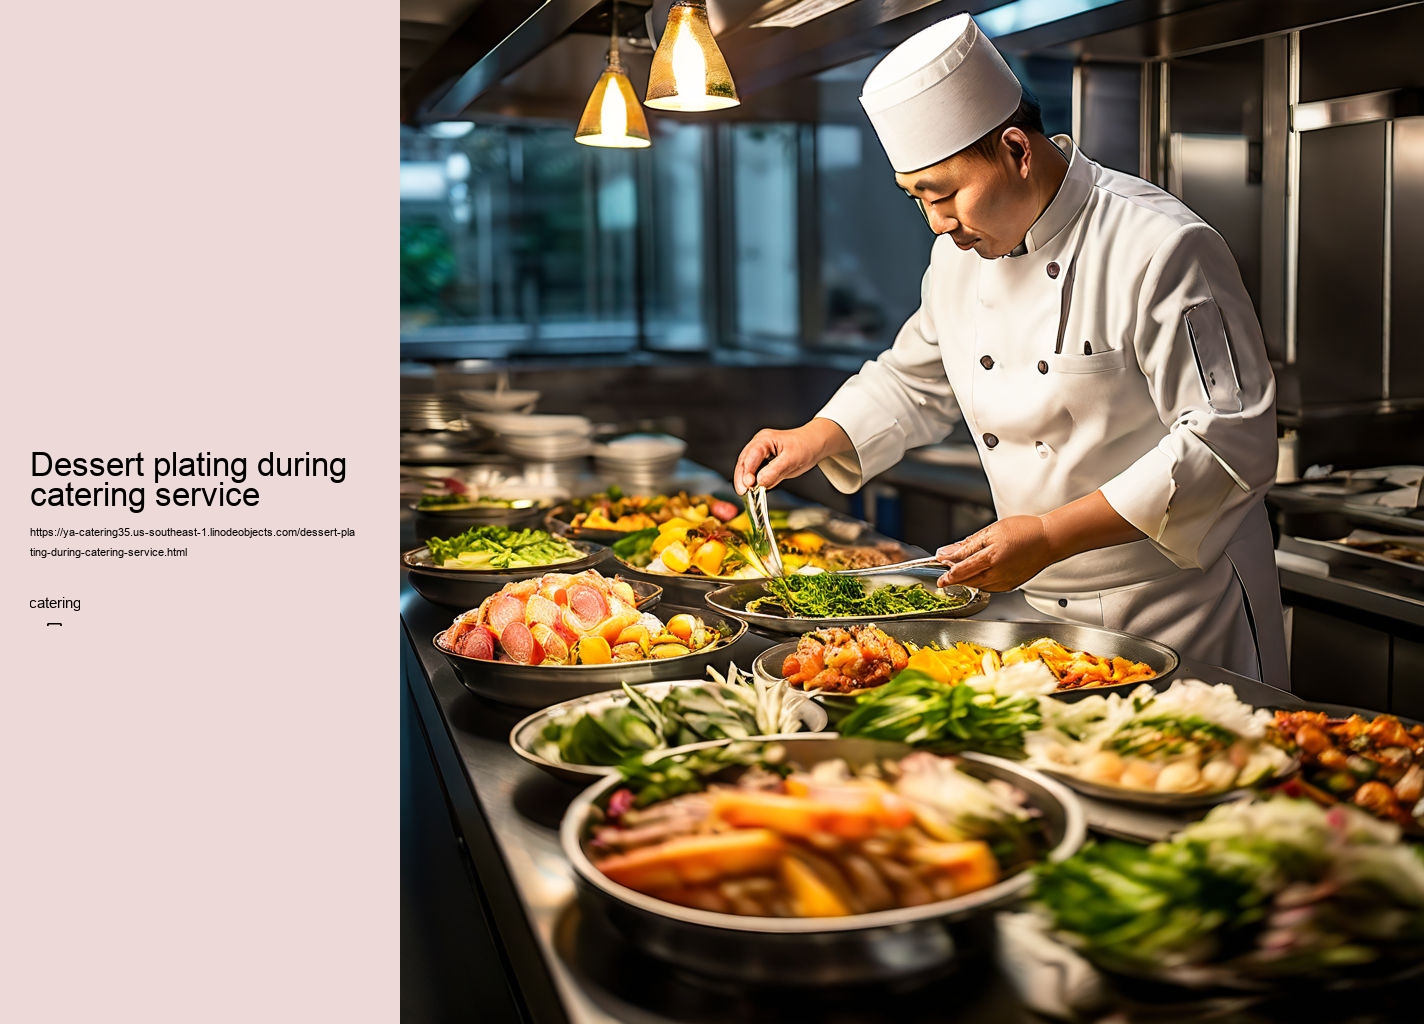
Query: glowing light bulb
x: 614, y: 115
x: 689, y: 67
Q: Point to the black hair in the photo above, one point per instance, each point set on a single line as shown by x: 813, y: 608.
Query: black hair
x: 1027, y: 117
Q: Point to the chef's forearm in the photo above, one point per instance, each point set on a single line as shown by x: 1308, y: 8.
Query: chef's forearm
x: 1084, y: 525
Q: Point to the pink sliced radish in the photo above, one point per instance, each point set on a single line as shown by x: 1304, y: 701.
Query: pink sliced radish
x: 555, y: 649
x: 477, y: 643
x: 503, y: 611
x: 519, y: 643
x: 588, y: 605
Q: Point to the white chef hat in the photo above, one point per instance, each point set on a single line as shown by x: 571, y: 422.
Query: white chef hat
x: 938, y: 92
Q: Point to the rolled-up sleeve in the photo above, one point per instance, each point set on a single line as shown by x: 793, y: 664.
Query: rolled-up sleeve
x: 898, y: 401
x: 1199, y: 344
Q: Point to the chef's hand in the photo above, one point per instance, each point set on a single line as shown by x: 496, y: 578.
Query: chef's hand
x: 1000, y: 557
x: 1009, y: 553
x: 791, y: 453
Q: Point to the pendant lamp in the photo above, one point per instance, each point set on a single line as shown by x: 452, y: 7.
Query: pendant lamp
x: 689, y: 72
x: 613, y: 117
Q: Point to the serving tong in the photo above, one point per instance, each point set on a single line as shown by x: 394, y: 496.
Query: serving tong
x: 912, y: 563
x: 762, y: 536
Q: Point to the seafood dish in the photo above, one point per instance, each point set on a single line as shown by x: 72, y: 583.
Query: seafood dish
x: 739, y: 832
x: 847, y: 660
x: 1192, y: 739
x: 1277, y: 890
x: 580, y: 619
x: 1376, y: 764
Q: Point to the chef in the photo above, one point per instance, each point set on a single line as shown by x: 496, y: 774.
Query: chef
x: 1095, y: 337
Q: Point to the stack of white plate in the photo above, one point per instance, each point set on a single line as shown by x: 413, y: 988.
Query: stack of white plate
x: 639, y: 462
x: 499, y: 401
x: 431, y: 412
x: 539, y: 438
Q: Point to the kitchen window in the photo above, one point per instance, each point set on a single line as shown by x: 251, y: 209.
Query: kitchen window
x: 514, y: 240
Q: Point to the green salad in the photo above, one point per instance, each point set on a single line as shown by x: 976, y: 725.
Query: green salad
x: 499, y: 547
x: 733, y: 708
x: 916, y: 708
x: 1278, y: 887
x: 835, y: 595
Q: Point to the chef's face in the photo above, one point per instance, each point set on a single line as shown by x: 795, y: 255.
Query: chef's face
x: 982, y: 204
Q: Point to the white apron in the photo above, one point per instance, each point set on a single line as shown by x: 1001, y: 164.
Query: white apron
x: 1119, y: 353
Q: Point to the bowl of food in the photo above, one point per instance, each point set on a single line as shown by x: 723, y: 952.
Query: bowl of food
x: 538, y: 642
x: 710, y: 553
x: 1375, y: 762
x: 845, y: 662
x: 812, y: 860
x: 1191, y: 745
x: 584, y: 739
x: 804, y: 602
x: 463, y: 569
x: 1271, y: 895
x: 614, y: 515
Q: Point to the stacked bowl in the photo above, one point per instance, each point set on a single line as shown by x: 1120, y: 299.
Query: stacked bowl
x: 639, y: 463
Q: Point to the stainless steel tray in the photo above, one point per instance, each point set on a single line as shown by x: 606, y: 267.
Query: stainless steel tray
x: 558, y: 520
x: 1002, y: 634
x: 733, y: 599
x: 525, y: 735
x: 465, y: 588
x: 539, y: 686
x: 860, y: 948
x: 1153, y: 800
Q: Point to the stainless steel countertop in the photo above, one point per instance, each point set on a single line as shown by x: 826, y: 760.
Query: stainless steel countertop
x: 569, y: 968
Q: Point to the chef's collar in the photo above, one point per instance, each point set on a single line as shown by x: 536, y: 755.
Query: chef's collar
x: 1072, y: 194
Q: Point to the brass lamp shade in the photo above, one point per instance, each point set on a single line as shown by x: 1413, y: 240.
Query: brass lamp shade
x: 689, y: 72
x: 613, y: 117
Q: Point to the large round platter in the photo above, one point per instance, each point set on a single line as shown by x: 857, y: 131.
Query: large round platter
x: 733, y: 599
x: 465, y: 588
x: 1002, y: 634
x: 539, y: 686
x: 525, y: 735
x: 1153, y: 800
x: 492, y: 512
x: 859, y: 948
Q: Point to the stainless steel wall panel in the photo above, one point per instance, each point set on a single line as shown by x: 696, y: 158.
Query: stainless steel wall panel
x: 1380, y: 51
x: 1110, y: 128
x: 1406, y: 367
x: 1340, y: 322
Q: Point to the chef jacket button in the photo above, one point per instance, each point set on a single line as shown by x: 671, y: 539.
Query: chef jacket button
x: 1062, y: 602
x: 987, y: 362
x: 1042, y: 449
x: 990, y: 440
x: 1043, y: 366
x: 1053, y: 270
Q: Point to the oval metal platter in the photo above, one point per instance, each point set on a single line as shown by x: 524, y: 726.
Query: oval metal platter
x: 1002, y: 634
x: 465, y: 588
x: 733, y: 599
x: 539, y: 686
x: 524, y: 737
x: 1162, y: 801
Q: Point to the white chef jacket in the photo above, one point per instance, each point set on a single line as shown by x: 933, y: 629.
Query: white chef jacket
x: 1119, y: 352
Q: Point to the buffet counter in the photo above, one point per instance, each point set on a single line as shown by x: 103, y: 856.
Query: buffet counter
x: 568, y: 967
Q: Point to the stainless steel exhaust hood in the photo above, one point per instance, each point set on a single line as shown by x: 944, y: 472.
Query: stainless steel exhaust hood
x: 537, y: 59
